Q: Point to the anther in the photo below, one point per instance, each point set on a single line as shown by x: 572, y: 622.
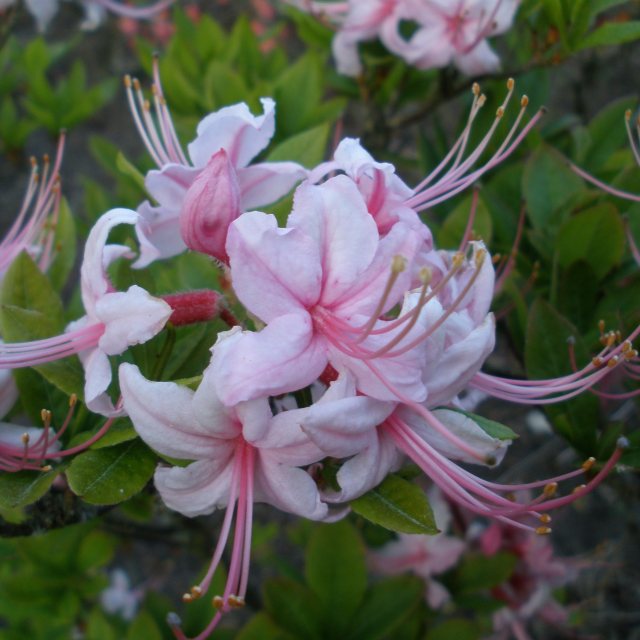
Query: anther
x: 475, y: 89
x: 626, y: 346
x: 34, y: 162
x: 127, y: 81
x: 481, y: 100
x: 45, y: 416
x: 631, y: 354
x: 543, y: 531
x: 46, y: 468
x: 627, y: 115
x: 550, y: 489
x: 524, y: 101
x: 217, y: 602
x: 545, y: 518
x: 587, y: 464
x: 425, y: 275
x: 479, y: 258
x: 601, y: 326
x: 146, y: 105
x: 398, y: 264
x: 597, y: 361
x: 612, y: 362
x: 25, y: 439
x: 136, y: 84
x: 496, y: 258
x: 510, y: 84
x: 499, y: 112
x: 73, y: 399
x: 186, y: 597
x: 236, y: 602
x: 579, y: 488
x: 458, y: 260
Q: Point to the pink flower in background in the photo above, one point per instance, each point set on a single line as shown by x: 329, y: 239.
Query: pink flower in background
x: 425, y: 556
x: 241, y: 455
x: 226, y: 142
x: 528, y: 593
x: 113, y: 322
x: 446, y: 31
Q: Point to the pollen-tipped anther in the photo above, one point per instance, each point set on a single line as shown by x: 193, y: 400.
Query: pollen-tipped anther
x: 398, y: 264
x: 235, y: 602
x: 550, y: 489
x: 217, y: 602
x: 588, y: 464
x: 543, y: 531
x: 545, y: 518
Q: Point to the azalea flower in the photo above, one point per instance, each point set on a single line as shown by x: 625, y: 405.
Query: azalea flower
x: 94, y: 10
x: 199, y: 197
x: 528, y: 593
x: 241, y: 455
x: 447, y: 32
x: 114, y: 320
x: 425, y: 556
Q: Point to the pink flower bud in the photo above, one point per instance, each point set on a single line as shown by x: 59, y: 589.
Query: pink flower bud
x: 211, y: 204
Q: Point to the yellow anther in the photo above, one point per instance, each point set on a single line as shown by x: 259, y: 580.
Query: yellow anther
x: 136, y: 84
x: 626, y: 346
x: 588, y: 463
x: 612, y: 362
x: 597, y: 361
x: 236, y: 602
x: 195, y: 592
x: 45, y: 158
x: 45, y: 416
x: 481, y: 100
x: 146, y: 105
x: 499, y: 112
x: 187, y: 597
x: 217, y: 602
x: 627, y: 115
x: 475, y: 89
x: 127, y: 81
x: 398, y: 264
x: 481, y: 254
x: 579, y: 488
x: 543, y: 531
x: 458, y: 260
x: 524, y: 101
x: 511, y: 83
x: 425, y: 275
x: 545, y: 518
x: 631, y: 354
x: 550, y: 489
x: 46, y: 468
x: 73, y: 399
x: 25, y: 439
x: 34, y: 162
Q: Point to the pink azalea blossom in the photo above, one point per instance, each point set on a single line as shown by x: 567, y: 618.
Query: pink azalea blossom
x: 447, y: 31
x: 241, y: 455
x: 528, y: 594
x: 94, y: 10
x: 226, y: 142
x: 425, y: 556
x: 320, y: 286
x: 114, y: 320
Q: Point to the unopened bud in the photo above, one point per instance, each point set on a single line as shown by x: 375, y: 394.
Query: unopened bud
x: 210, y: 205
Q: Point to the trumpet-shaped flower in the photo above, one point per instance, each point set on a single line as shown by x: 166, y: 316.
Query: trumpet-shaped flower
x: 241, y: 455
x: 188, y: 191
x: 320, y: 286
x: 114, y: 320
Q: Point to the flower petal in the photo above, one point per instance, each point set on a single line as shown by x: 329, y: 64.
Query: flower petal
x: 265, y: 183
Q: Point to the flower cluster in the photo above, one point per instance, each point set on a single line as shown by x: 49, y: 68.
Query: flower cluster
x: 347, y: 303
x: 443, y: 32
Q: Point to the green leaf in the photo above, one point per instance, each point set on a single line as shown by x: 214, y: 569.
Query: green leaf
x: 98, y: 627
x: 25, y: 487
x: 398, y: 505
x: 31, y: 310
x: 454, y: 226
x: 335, y: 570
x: 547, y: 356
x: 144, y: 627
x: 549, y: 187
x: 128, y: 169
x: 307, y: 148
x: 459, y: 629
x: 478, y: 572
x: 490, y: 427
x: 388, y: 604
x: 111, y: 475
x: 293, y: 607
x: 595, y: 236
x: 260, y: 627
x: 64, y: 249
x: 96, y: 550
x: 612, y: 33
